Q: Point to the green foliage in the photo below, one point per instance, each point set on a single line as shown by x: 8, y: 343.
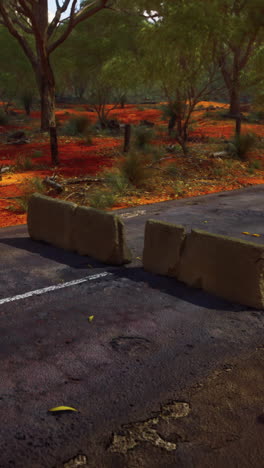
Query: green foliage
x: 37, y: 154
x: 240, y: 146
x: 4, y: 120
x: 101, y: 199
x: 117, y: 182
x: 76, y: 126
x: 172, y: 171
x: 31, y: 186
x: 133, y: 169
x: 27, y: 98
x: 256, y: 117
x: 255, y: 164
x: 23, y: 163
x: 142, y: 137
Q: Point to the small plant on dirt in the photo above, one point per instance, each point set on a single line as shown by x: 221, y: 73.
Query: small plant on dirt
x: 240, y: 146
x: 172, y: 171
x: 178, y: 188
x: 256, y: 117
x: 218, y: 171
x: 20, y: 206
x: 4, y: 120
x: 23, y: 163
x: 27, y: 101
x: 133, y: 169
x: 142, y: 137
x: 117, y: 182
x: 37, y: 154
x: 76, y: 126
x: 101, y: 199
x: 255, y: 164
x: 29, y: 187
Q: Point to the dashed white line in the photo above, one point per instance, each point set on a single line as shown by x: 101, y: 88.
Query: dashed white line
x: 37, y: 292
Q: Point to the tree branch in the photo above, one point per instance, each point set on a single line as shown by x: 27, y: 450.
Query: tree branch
x: 74, y: 19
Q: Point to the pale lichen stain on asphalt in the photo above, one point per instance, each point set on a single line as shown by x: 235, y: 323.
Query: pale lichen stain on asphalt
x: 132, y: 434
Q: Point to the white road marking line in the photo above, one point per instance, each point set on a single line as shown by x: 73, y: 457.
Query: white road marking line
x: 37, y: 292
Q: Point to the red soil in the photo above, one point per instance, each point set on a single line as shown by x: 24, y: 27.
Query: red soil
x: 78, y: 159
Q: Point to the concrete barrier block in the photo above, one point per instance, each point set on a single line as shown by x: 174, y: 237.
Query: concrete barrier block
x: 100, y: 235
x: 227, y: 267
x: 51, y: 220
x: 162, y: 246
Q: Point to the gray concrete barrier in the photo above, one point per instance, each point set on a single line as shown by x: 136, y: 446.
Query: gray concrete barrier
x: 100, y: 235
x: 51, y: 220
x: 162, y: 246
x: 85, y: 230
x: 225, y: 266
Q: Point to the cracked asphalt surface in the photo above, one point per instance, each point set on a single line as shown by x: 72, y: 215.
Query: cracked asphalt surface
x: 153, y: 340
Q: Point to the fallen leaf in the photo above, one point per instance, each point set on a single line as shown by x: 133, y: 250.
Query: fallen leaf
x: 62, y: 408
x: 138, y: 258
x: 205, y: 221
x: 246, y: 233
x: 256, y: 235
x: 91, y: 318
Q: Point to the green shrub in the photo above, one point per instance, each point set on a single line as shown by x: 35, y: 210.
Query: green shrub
x: 20, y: 206
x: 27, y: 98
x: 172, y: 170
x: 101, y: 199
x: 29, y: 187
x: 34, y: 185
x: 142, y: 137
x: 256, y: 164
x: 76, y: 126
x: 23, y: 163
x: 37, y: 154
x: 133, y: 169
x: 240, y: 146
x: 255, y: 117
x: 117, y: 182
x: 4, y: 119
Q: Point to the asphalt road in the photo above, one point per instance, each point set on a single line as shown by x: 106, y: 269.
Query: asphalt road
x: 150, y: 340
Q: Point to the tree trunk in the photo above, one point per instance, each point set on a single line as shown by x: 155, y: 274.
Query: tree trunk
x: 234, y: 108
x: 46, y: 84
x: 127, y: 137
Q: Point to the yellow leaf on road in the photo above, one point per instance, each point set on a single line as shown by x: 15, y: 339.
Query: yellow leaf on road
x: 62, y: 408
x: 256, y: 235
x: 138, y: 258
x: 246, y: 233
x: 91, y: 318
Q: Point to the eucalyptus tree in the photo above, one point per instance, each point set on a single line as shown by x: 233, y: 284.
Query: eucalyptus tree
x: 178, y: 55
x: 238, y: 34
x: 28, y: 22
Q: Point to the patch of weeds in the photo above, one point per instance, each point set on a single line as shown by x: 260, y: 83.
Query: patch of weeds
x: 133, y: 169
x: 240, y: 146
x: 29, y: 187
x: 178, y: 188
x: 20, y: 206
x: 4, y: 119
x: 256, y: 117
x: 218, y: 171
x: 172, y: 171
x: 142, y: 137
x: 101, y: 199
x: 76, y: 126
x: 117, y: 182
x: 23, y: 163
x: 255, y: 164
x: 37, y: 154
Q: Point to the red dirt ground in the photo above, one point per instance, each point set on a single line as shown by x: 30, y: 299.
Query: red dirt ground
x: 79, y: 159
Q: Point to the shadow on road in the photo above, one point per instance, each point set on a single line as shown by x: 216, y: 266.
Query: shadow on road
x: 177, y: 289
x: 45, y: 250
